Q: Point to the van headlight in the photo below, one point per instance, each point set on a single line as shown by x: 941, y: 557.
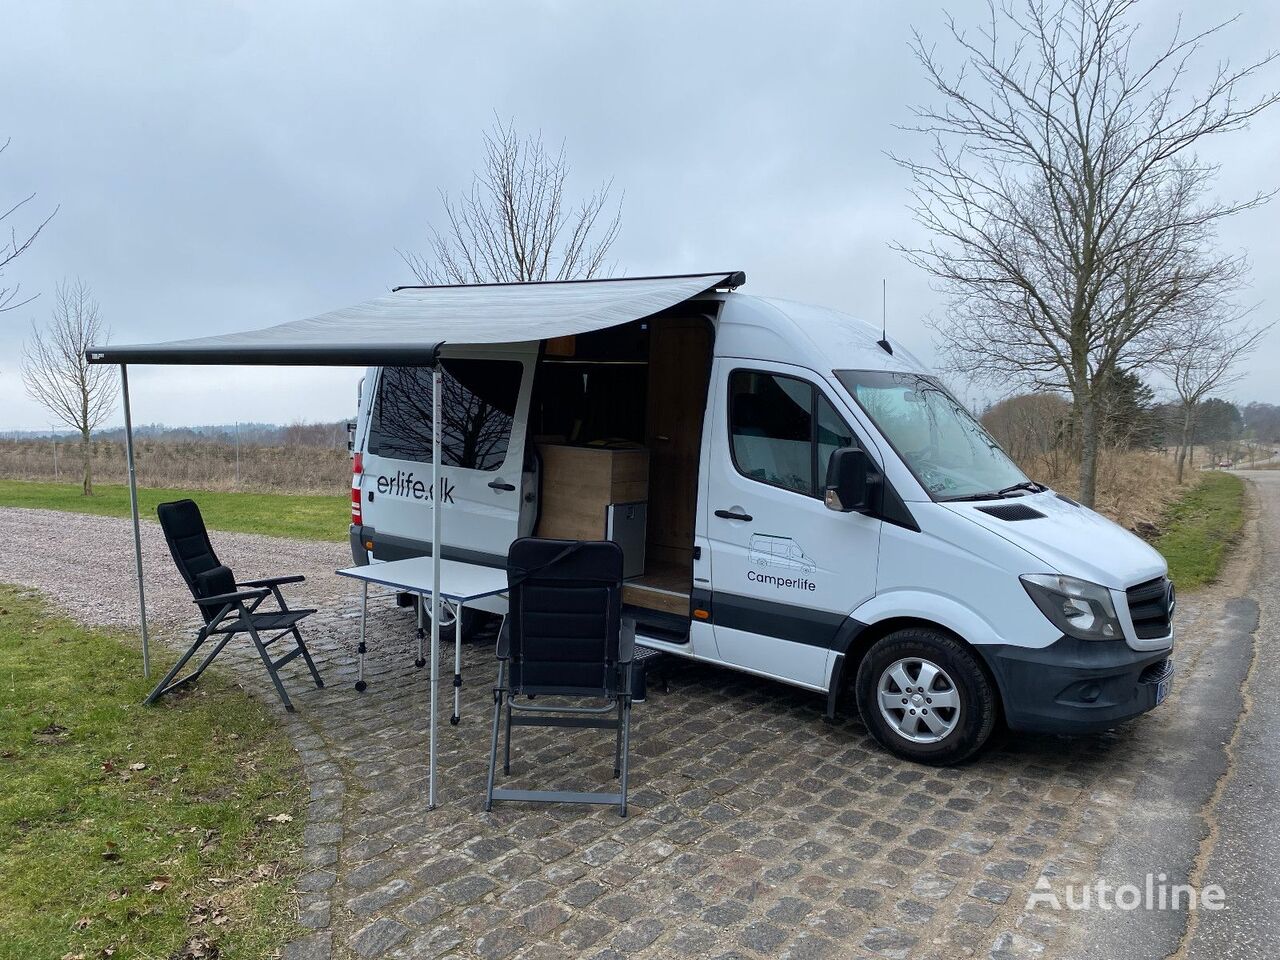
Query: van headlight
x: 1076, y: 607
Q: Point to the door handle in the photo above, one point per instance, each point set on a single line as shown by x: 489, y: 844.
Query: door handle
x: 733, y: 515
x: 501, y: 485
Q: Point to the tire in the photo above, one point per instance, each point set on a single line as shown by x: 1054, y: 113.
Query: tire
x: 927, y: 670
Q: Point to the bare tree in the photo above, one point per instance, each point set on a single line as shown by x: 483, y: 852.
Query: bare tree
x: 515, y: 223
x: 1202, y: 359
x: 79, y: 394
x: 1071, y: 220
x: 14, y: 245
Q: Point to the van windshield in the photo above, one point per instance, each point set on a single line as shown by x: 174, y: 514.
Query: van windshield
x: 949, y: 452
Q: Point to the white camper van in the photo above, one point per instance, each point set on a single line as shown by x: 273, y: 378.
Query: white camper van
x: 797, y: 499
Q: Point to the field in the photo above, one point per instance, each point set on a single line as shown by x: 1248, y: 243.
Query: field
x: 201, y: 465
x: 302, y: 516
x: 135, y: 831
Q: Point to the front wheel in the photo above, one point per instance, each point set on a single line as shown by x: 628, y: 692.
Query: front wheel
x: 924, y: 696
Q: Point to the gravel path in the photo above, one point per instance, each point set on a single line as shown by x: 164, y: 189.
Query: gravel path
x: 38, y: 556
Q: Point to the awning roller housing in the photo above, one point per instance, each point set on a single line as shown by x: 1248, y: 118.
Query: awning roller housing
x: 407, y: 326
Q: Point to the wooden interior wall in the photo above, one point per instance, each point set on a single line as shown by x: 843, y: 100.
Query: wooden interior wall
x: 679, y: 372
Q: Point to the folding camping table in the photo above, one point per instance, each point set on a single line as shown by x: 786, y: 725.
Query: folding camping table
x: 460, y: 583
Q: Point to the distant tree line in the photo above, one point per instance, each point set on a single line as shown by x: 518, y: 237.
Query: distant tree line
x: 326, y: 434
x: 1037, y: 429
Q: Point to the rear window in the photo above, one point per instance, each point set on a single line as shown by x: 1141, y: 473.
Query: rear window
x: 479, y: 402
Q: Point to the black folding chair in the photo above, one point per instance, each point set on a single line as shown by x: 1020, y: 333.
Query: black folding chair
x: 564, y: 636
x: 228, y: 607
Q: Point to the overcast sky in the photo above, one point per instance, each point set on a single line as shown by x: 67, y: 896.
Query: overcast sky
x: 222, y: 166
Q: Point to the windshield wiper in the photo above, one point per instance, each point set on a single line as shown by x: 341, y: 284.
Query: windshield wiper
x: 997, y: 494
x: 1024, y: 485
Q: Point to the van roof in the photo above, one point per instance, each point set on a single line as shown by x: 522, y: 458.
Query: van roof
x: 810, y: 336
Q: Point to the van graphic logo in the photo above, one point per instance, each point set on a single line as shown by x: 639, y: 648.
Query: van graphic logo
x: 404, y: 485
x: 768, y: 550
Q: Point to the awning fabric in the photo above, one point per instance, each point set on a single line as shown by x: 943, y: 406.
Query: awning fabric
x: 408, y: 326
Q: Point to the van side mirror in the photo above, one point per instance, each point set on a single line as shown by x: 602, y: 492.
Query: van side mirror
x: 853, y: 482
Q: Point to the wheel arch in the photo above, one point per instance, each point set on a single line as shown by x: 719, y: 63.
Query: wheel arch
x: 861, y: 638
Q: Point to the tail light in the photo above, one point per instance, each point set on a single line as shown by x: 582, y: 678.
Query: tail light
x: 357, y: 469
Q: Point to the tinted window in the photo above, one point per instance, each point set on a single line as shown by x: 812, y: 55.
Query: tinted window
x: 833, y: 433
x: 783, y: 431
x: 479, y: 402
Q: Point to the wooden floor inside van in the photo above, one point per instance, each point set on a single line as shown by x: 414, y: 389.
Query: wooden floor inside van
x: 663, y: 586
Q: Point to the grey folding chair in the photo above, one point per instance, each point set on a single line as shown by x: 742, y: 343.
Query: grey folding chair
x: 227, y: 606
x: 564, y: 636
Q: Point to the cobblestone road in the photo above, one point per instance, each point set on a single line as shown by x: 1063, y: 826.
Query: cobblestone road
x: 756, y: 830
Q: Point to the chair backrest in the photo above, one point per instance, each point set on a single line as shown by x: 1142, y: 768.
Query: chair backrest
x: 565, y: 616
x: 192, y: 552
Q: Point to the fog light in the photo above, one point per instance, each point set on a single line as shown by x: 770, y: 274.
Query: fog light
x: 1090, y: 693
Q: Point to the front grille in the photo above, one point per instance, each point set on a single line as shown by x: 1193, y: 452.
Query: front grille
x: 1149, y: 608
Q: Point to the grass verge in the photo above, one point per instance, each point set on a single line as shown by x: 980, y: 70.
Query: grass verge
x: 135, y: 831
x: 301, y: 516
x: 1200, y: 526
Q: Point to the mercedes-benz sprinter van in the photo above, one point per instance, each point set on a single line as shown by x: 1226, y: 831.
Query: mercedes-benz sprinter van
x: 818, y: 509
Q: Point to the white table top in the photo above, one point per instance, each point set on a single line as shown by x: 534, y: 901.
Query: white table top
x: 459, y: 581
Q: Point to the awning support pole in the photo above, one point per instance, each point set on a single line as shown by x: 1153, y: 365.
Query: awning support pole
x: 133, y: 510
x: 437, y: 506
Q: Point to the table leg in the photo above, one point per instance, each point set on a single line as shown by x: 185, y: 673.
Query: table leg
x: 419, y: 662
x: 457, y: 664
x: 364, y: 616
x: 435, y: 685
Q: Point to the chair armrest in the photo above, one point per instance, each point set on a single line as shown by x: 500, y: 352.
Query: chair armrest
x: 627, y: 640
x: 271, y: 581
x: 504, y: 639
x: 240, y: 596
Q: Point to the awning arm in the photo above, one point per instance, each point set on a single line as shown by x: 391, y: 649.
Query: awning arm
x: 133, y: 512
x: 437, y: 552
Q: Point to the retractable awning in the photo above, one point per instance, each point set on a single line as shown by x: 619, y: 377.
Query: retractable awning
x: 407, y: 326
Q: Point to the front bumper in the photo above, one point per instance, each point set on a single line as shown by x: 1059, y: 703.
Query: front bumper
x: 1076, y: 686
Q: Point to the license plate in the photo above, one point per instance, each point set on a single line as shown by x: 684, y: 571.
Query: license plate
x: 1162, y: 688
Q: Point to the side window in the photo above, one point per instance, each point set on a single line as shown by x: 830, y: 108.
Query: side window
x: 479, y: 402
x: 833, y: 433
x: 783, y: 431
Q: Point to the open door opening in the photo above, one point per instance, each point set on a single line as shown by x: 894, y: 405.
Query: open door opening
x: 616, y: 421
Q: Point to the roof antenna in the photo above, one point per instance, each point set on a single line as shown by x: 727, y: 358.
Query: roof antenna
x: 883, y: 342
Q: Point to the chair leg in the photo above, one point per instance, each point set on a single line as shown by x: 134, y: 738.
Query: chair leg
x: 162, y: 687
x: 617, y: 749
x: 493, y: 743
x: 217, y: 649
x: 306, y: 655
x: 626, y: 751
x: 506, y: 750
x: 271, y: 669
